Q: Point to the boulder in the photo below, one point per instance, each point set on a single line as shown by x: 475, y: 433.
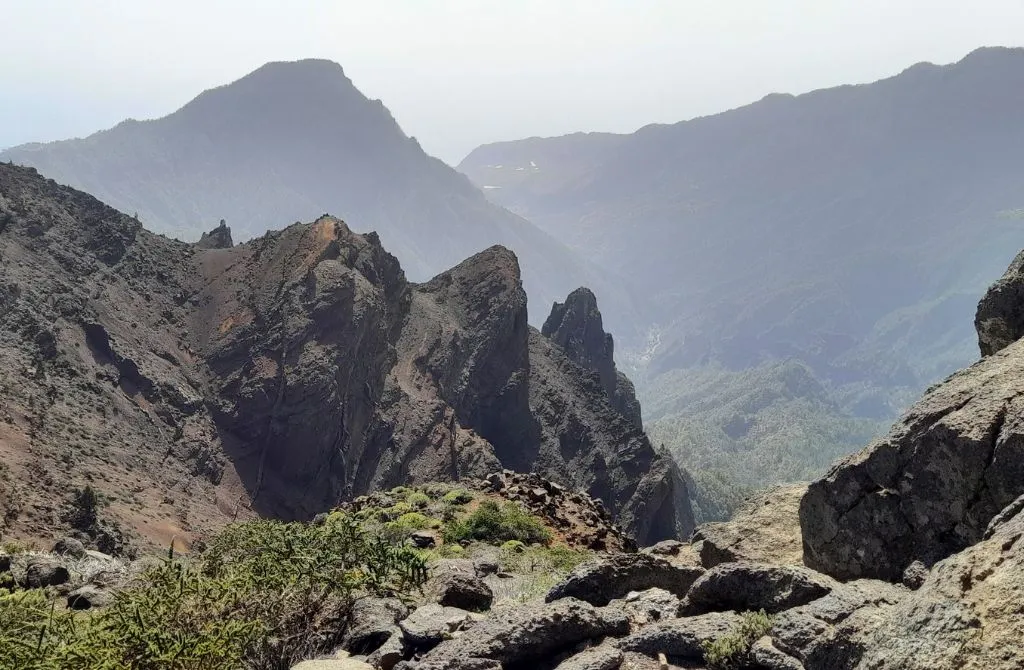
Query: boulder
x: 423, y: 539
x: 218, y: 238
x: 968, y: 613
x: 42, y: 571
x: 930, y: 488
x: 372, y: 623
x: 680, y: 638
x: 832, y: 632
x: 464, y: 664
x: 577, y: 327
x: 914, y: 575
x: 70, y: 547
x: 765, y: 656
x: 467, y: 592
x: 602, y: 579
x: 89, y: 596
x: 756, y: 586
x: 1000, y: 316
x: 525, y: 633
x: 648, y: 606
x: 391, y: 653
x: 765, y: 529
x: 428, y: 625
x: 333, y: 664
x: 486, y: 565
x: 595, y: 658
x: 665, y: 548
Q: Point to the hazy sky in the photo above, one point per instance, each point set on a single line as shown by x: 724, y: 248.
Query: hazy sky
x: 460, y: 73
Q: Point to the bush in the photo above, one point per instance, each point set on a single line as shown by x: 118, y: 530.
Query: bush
x: 264, y: 595
x: 457, y: 497
x: 401, y: 528
x: 495, y: 524
x: 83, y: 513
x: 729, y: 651
x: 535, y: 569
x: 395, y: 511
x: 418, y: 499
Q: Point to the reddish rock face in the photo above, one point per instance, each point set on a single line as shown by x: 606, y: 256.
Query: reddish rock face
x: 286, y: 374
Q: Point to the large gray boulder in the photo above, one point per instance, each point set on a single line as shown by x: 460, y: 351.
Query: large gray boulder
x: 371, y: 623
x: 832, y: 632
x: 967, y: 614
x: 651, y: 605
x: 89, y: 596
x: 467, y: 592
x: 757, y: 586
x: 70, y: 547
x: 525, y: 633
x: 681, y: 638
x: 1000, y: 316
x: 595, y: 658
x: 42, y: 571
x: 929, y: 488
x: 765, y: 529
x: 602, y: 579
x: 431, y: 624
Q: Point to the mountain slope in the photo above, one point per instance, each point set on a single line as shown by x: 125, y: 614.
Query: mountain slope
x: 289, y: 142
x: 196, y: 383
x: 850, y: 230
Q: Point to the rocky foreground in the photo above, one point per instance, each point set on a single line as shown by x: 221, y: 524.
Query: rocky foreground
x: 905, y: 556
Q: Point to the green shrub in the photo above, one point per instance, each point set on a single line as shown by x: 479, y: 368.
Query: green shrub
x: 400, y: 529
x: 457, y: 497
x: 729, y: 651
x: 395, y: 511
x: 263, y: 595
x: 83, y: 511
x: 494, y: 524
x: 418, y: 500
x: 451, y: 551
x: 25, y: 637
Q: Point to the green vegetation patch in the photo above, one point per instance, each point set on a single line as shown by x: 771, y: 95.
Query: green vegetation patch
x: 729, y: 652
x: 496, y: 523
x: 264, y: 595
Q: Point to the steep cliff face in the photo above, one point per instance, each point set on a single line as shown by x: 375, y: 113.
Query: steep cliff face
x: 576, y: 326
x: 283, y: 375
x: 953, y: 461
x: 1000, y: 317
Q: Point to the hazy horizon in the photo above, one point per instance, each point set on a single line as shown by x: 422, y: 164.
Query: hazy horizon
x: 458, y: 74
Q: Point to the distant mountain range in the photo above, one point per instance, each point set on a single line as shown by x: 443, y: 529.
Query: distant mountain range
x: 292, y: 141
x: 848, y: 231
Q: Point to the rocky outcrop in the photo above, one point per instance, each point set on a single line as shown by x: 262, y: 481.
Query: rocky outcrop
x: 218, y: 238
x: 520, y: 634
x: 833, y: 632
x: 967, y: 614
x: 587, y: 444
x: 577, y: 328
x: 765, y: 529
x: 603, y: 579
x: 467, y: 592
x: 286, y: 374
x: 372, y: 623
x: 756, y: 586
x: 580, y: 520
x: 930, y: 487
x: 681, y: 638
x: 1000, y: 317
